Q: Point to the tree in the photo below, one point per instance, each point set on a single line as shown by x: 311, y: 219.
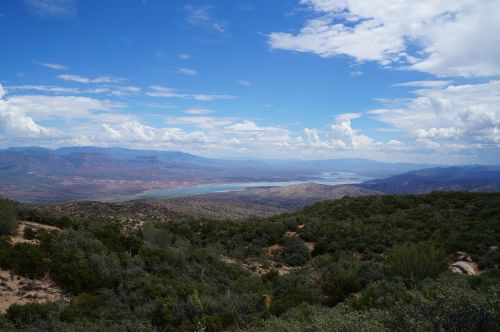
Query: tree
x: 8, y: 220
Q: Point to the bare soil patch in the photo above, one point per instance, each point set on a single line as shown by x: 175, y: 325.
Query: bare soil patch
x: 16, y: 289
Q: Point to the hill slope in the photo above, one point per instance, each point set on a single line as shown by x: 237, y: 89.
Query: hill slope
x: 292, y: 197
x: 373, y: 263
x: 458, y: 178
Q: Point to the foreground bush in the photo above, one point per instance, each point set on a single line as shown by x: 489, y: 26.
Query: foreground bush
x: 414, y: 262
x: 8, y: 220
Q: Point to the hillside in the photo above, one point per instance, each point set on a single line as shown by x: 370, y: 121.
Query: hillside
x: 372, y: 263
x: 237, y: 205
x: 292, y: 197
x: 135, y: 213
x: 457, y: 178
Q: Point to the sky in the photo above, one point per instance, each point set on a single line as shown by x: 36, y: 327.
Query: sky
x: 391, y: 80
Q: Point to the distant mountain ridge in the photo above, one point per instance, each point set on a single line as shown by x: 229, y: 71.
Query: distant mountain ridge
x: 89, y: 173
x: 457, y: 178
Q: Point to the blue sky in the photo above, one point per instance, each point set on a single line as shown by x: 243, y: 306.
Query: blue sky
x: 312, y: 79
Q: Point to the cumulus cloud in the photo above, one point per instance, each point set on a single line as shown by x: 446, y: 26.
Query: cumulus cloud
x: 15, y: 124
x: 467, y: 114
x: 419, y: 35
x: 344, y: 136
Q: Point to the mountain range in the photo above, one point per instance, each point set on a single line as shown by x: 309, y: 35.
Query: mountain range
x: 89, y: 173
x: 82, y: 173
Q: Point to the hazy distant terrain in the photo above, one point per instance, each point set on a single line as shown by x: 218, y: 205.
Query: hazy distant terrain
x: 265, y: 202
x: 458, y: 178
x: 89, y: 173
x: 293, y: 197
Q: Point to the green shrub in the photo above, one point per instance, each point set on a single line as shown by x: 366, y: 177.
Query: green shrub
x: 414, y: 262
x: 28, y: 313
x: 295, y: 252
x: 8, y: 219
x: 29, y: 260
x: 340, y: 284
x: 29, y: 233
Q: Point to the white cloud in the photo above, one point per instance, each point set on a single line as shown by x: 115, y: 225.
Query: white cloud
x: 138, y: 133
x: 187, y: 71
x: 54, y: 66
x: 423, y: 84
x: 41, y: 107
x: 419, y: 35
x: 249, y: 130
x: 200, y: 121
x: 184, y: 56
x: 15, y: 124
x: 86, y: 80
x: 201, y: 16
x: 198, y: 110
x: 131, y: 89
x: 205, y: 97
x: 395, y: 142
x: 44, y: 88
x: 343, y: 135
x: 467, y: 114
x: 244, y: 82
x: 52, y: 8
x: 161, y: 91
x: 166, y: 92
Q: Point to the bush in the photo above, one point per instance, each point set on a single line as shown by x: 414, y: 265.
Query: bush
x: 8, y: 220
x: 340, y: 284
x: 29, y: 233
x: 28, y: 260
x: 26, y: 314
x: 295, y: 252
x: 414, y: 262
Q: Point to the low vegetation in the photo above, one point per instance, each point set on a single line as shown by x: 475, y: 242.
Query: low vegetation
x: 8, y: 220
x: 378, y: 263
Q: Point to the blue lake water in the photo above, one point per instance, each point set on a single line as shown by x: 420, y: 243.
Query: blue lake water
x: 325, y: 178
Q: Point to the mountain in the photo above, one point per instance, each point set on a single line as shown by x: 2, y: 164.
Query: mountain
x: 89, y: 173
x: 458, y: 178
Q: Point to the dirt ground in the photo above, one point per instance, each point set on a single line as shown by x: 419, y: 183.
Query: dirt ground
x: 15, y: 289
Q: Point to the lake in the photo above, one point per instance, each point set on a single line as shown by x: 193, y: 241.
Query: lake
x: 324, y: 178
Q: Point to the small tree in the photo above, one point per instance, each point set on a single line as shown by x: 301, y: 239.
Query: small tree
x: 8, y: 220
